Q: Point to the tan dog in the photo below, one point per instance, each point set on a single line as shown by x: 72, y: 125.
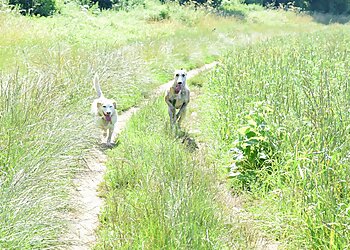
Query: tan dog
x: 105, y: 112
x: 178, y: 97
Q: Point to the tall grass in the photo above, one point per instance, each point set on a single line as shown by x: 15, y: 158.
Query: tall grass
x: 160, y: 196
x: 46, y: 131
x: 291, y: 94
x: 42, y: 143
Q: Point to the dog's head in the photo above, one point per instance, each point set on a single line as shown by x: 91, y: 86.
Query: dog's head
x: 180, y: 80
x: 107, y: 108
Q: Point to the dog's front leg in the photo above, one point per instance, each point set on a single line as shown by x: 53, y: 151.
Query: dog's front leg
x: 171, y: 108
x: 110, y: 132
x: 172, y: 114
x: 182, y: 112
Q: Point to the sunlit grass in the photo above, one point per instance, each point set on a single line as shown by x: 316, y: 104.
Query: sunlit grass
x: 303, y: 198
x: 47, y: 66
x: 40, y: 151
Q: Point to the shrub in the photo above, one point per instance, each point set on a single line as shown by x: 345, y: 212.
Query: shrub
x: 211, y: 3
x: 324, y: 6
x: 35, y: 7
x: 127, y: 4
x: 237, y: 9
x: 112, y: 4
x: 159, y: 16
x: 255, y: 147
x: 102, y: 4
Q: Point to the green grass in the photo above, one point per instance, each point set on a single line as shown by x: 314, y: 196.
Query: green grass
x: 159, y: 195
x: 285, y: 102
x: 40, y: 151
x: 123, y: 44
x: 47, y: 66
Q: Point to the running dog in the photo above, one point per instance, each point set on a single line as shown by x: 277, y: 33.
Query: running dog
x: 178, y: 97
x: 105, y: 112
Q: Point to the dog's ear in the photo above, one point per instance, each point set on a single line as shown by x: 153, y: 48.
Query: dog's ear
x: 99, y: 104
x: 115, y: 104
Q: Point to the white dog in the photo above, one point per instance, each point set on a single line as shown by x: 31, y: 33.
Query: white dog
x: 105, y: 112
x: 178, y: 97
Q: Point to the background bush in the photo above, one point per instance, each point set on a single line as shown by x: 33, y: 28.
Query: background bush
x: 325, y: 6
x: 35, y: 7
x: 211, y: 3
x: 113, y: 4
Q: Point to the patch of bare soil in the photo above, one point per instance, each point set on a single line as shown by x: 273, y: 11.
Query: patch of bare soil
x: 83, y: 221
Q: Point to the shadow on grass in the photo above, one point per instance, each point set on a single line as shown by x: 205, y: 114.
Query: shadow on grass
x: 186, y: 139
x: 105, y: 146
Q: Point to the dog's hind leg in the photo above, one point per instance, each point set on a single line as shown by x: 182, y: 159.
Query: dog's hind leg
x: 181, y: 114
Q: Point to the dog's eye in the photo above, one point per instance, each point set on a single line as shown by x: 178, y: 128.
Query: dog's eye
x: 183, y: 75
x: 104, y: 106
x: 177, y: 75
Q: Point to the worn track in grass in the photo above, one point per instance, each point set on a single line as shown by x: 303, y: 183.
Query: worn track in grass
x: 83, y: 221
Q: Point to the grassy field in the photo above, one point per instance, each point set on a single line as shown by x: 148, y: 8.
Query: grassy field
x: 47, y: 66
x: 281, y: 118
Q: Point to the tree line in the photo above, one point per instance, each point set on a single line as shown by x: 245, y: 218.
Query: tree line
x: 48, y: 7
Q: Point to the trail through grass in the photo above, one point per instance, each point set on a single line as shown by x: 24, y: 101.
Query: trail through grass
x: 159, y: 195
x: 84, y: 221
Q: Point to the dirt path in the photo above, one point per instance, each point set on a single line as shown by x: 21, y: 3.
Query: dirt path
x: 83, y: 222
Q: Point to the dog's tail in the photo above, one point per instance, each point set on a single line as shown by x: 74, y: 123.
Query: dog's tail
x: 97, y: 86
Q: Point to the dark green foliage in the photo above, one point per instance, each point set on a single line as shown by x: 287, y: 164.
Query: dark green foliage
x: 325, y: 6
x: 102, y: 4
x: 112, y: 4
x: 35, y: 7
x: 332, y: 6
x: 211, y: 3
x: 298, y: 3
